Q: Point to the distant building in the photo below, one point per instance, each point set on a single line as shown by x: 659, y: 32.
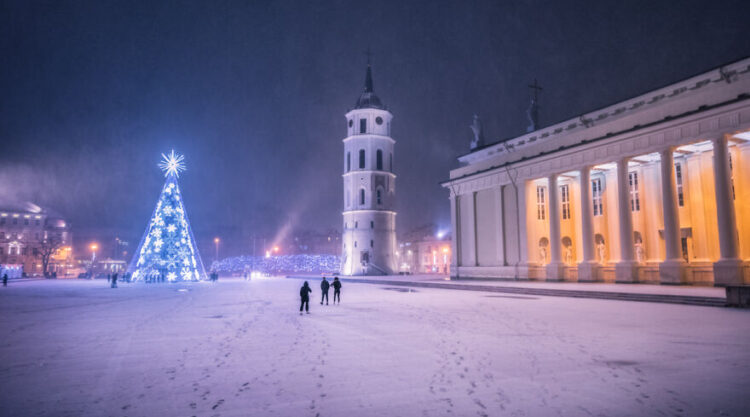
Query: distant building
x: 425, y: 250
x: 308, y: 242
x: 30, y: 236
x: 650, y: 189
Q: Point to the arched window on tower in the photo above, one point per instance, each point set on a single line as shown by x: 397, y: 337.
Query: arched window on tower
x: 361, y: 159
x: 379, y: 158
x: 362, y: 196
x: 348, y: 161
x: 379, y: 196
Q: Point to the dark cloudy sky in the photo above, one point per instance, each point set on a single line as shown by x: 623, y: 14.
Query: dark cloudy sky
x: 254, y: 94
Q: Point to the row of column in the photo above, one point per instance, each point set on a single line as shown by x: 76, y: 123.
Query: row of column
x: 673, y: 270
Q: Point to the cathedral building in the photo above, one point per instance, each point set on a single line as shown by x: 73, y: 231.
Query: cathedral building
x: 369, y: 237
x: 652, y: 189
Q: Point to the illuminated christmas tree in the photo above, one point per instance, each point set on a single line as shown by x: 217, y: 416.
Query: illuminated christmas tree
x: 168, y: 247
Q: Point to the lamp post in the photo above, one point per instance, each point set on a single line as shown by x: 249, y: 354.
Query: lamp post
x: 216, y: 242
x: 93, y: 247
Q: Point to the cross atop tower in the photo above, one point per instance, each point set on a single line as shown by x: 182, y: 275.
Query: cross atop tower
x: 533, y: 112
x: 536, y: 88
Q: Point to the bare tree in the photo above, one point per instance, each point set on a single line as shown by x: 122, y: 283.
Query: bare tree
x: 48, y: 246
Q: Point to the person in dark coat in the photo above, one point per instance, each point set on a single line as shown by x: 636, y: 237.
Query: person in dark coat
x: 324, y: 290
x: 336, y: 290
x: 5, y: 280
x: 114, y: 280
x: 304, y: 294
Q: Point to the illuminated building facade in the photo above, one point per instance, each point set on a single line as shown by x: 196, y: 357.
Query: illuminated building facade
x: 26, y: 232
x: 652, y: 189
x: 369, y: 237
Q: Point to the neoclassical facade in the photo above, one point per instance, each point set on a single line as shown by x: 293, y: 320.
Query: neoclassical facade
x: 369, y: 238
x: 652, y: 189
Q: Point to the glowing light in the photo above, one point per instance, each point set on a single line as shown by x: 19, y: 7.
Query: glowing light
x: 445, y: 249
x: 172, y: 164
x: 275, y: 248
x: 216, y: 240
x: 94, y: 247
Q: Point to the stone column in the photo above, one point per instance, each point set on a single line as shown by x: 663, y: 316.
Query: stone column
x: 500, y: 230
x: 455, y: 236
x: 471, y: 211
x: 522, y: 266
x: 627, y: 269
x: 555, y: 269
x: 674, y: 268
x: 728, y: 269
x: 588, y: 270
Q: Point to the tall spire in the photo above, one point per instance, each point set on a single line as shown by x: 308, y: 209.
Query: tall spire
x: 368, y: 99
x: 368, y: 77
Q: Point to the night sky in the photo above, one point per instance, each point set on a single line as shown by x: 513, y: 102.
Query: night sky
x: 254, y: 95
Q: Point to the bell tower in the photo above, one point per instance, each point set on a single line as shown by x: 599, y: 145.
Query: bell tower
x: 369, y: 238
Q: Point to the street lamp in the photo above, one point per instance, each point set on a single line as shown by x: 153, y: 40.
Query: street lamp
x: 93, y: 248
x: 216, y: 241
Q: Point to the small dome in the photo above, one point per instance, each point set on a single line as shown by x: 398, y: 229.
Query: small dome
x: 368, y: 100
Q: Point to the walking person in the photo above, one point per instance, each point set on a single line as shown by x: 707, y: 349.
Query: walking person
x: 5, y: 280
x: 324, y: 290
x: 336, y: 290
x: 114, y: 280
x: 304, y: 294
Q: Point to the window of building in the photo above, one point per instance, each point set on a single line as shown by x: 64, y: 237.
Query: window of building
x: 361, y: 159
x: 379, y: 159
x: 635, y: 201
x: 2, y: 251
x: 596, y: 196
x: 362, y: 196
x: 24, y: 251
x: 2, y: 220
x: 355, y: 243
x: 372, y: 243
x: 13, y: 250
x: 15, y: 220
x: 348, y: 201
x: 356, y: 224
x: 348, y: 161
x: 678, y: 177
x: 35, y: 251
x: 379, y: 196
x: 372, y: 224
x: 362, y: 125
x: 26, y: 222
x: 565, y: 198
x: 390, y: 162
x: 37, y: 222
x: 379, y: 120
x: 540, y: 202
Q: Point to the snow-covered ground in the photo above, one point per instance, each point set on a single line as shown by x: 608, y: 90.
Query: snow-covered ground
x: 236, y: 348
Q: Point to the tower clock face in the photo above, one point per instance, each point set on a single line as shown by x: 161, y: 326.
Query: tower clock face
x: 351, y: 122
x: 379, y: 120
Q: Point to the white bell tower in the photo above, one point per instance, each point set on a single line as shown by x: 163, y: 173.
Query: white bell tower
x: 369, y: 238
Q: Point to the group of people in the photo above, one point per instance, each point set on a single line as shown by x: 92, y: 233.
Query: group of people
x: 325, y: 285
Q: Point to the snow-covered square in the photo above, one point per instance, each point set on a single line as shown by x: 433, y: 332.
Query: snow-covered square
x: 240, y: 348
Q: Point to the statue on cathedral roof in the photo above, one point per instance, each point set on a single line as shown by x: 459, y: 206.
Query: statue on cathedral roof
x: 476, y: 127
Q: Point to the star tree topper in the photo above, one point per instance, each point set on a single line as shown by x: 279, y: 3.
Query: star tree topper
x: 172, y: 164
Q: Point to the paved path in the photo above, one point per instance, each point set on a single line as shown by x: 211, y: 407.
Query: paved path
x: 694, y: 295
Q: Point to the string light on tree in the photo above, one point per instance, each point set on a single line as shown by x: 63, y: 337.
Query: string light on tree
x: 168, y: 247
